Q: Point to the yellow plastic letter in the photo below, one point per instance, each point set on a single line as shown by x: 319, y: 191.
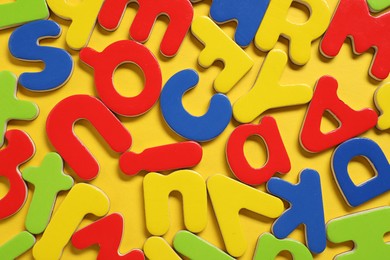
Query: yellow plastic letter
x: 81, y: 200
x: 83, y: 16
x: 267, y: 93
x: 157, y: 188
x: 228, y: 198
x: 275, y: 23
x: 156, y: 248
x: 218, y: 46
x: 381, y: 99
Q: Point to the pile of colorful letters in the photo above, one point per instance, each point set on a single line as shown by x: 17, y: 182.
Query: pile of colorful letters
x: 58, y: 195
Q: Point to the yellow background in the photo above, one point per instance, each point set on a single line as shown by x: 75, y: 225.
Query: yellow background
x: 356, y: 88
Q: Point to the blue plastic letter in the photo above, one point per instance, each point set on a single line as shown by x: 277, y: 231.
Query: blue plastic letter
x: 306, y: 208
x: 202, y: 128
x: 23, y: 45
x: 357, y: 195
x: 247, y: 13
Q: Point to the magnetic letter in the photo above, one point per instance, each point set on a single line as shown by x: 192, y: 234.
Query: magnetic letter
x: 218, y: 46
x: 19, y: 149
x: 378, y: 5
x: 180, y: 13
x: 81, y: 200
x: 48, y: 179
x: 247, y: 13
x: 156, y: 248
x: 203, y: 128
x: 353, y: 19
x: 381, y: 97
x: 352, y: 123
x: 106, y: 62
x: 229, y: 197
x: 18, y: 12
x: 277, y: 160
x: 366, y: 229
x: 59, y: 129
x: 23, y: 45
x: 167, y: 157
x: 269, y: 247
x: 10, y: 106
x: 83, y: 16
x: 107, y: 233
x: 157, y: 188
x: 17, y: 246
x: 275, y: 24
x: 267, y: 93
x: 306, y: 208
x: 368, y: 149
x: 195, y: 248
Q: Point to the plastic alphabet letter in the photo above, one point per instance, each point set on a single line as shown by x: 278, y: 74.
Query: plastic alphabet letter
x: 17, y: 12
x: 268, y: 247
x: 366, y: 229
x: 107, y: 233
x: 352, y: 123
x: 218, y: 46
x: 156, y: 248
x: 23, y: 45
x: 17, y: 246
x: 368, y: 149
x: 10, y: 106
x: 306, y: 208
x: 157, y: 188
x: 278, y: 160
x: 19, y: 149
x: 378, y: 5
x: 247, y: 13
x: 106, y: 62
x: 81, y: 200
x: 48, y: 179
x: 353, y: 19
x: 174, y: 156
x: 180, y: 13
x: 229, y: 197
x: 83, y: 16
x: 381, y: 97
x: 203, y: 128
x: 275, y: 24
x: 267, y: 93
x: 59, y: 128
x: 195, y: 248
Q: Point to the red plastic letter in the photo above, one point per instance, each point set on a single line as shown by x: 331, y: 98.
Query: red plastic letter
x: 20, y: 148
x: 352, y: 18
x: 162, y: 158
x: 105, y: 63
x: 278, y: 160
x: 59, y: 128
x: 352, y: 123
x: 180, y: 13
x: 107, y: 233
